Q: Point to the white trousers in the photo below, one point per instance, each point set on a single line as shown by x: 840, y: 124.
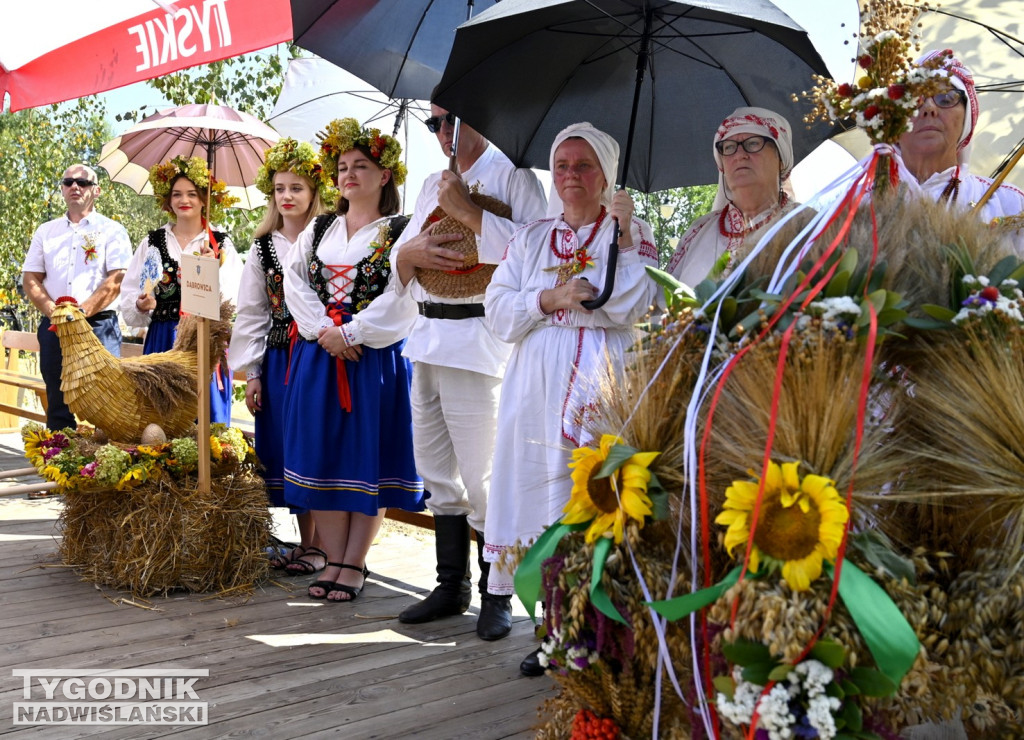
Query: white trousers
x: 454, y: 419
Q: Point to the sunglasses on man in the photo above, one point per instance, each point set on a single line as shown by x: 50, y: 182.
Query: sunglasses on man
x: 434, y: 122
x: 79, y: 181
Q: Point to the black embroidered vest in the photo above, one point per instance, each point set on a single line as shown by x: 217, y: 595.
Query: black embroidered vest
x: 280, y: 317
x: 372, y: 272
x: 168, y: 291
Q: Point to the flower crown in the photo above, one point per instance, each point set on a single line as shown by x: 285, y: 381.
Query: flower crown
x: 162, y: 175
x: 884, y: 98
x: 300, y: 158
x: 345, y: 134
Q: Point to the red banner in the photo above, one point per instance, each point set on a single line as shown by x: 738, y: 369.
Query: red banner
x: 148, y: 46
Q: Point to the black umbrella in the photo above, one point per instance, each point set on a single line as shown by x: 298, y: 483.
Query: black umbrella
x: 398, y: 46
x: 523, y: 70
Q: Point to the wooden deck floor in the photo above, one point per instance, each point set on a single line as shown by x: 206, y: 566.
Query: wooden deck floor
x: 280, y: 666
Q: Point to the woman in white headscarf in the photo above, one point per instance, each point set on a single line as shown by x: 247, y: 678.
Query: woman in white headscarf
x: 753, y: 149
x: 561, y: 349
x: 937, y: 150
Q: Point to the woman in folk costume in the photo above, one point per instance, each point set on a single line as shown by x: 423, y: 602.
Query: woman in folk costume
x: 298, y: 189
x: 753, y: 149
x: 937, y: 149
x: 561, y: 350
x: 151, y: 290
x: 347, y: 416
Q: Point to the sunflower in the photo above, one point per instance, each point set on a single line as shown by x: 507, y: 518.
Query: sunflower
x: 800, y: 524
x: 607, y: 502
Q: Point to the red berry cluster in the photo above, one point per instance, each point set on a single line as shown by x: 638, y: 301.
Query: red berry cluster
x: 588, y: 726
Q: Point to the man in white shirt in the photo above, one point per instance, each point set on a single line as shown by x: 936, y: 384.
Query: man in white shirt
x: 83, y: 255
x: 458, y: 364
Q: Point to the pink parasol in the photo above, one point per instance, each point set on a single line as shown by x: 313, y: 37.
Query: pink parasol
x: 232, y: 143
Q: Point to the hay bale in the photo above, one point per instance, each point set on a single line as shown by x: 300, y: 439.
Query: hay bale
x: 165, y: 535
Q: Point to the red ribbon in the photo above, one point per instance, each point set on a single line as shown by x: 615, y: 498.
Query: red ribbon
x: 213, y: 240
x: 293, y: 336
x: 465, y: 270
x: 846, y: 212
x: 337, y: 314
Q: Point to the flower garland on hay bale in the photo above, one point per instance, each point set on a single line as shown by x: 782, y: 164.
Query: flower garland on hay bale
x: 133, y: 518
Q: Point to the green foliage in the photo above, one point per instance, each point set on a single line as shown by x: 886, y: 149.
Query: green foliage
x: 683, y: 206
x: 36, y: 146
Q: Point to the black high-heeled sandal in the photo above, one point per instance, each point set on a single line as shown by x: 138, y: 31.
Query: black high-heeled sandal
x: 326, y: 586
x: 352, y: 591
x: 305, y: 568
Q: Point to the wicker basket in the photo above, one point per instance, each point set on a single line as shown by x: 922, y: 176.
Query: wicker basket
x: 473, y: 277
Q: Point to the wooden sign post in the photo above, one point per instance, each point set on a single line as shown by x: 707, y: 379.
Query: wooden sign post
x: 200, y: 296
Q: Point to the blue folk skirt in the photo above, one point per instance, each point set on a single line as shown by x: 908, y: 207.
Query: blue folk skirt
x: 359, y: 460
x: 160, y: 338
x: 270, y: 424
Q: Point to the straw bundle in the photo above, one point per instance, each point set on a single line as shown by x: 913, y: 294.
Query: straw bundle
x: 472, y: 281
x: 620, y: 684
x: 165, y: 535
x: 123, y: 397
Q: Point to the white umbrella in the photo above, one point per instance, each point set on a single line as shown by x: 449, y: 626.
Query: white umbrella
x: 315, y: 92
x: 987, y: 37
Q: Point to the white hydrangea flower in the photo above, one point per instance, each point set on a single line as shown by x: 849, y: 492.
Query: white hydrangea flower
x: 816, y: 676
x: 820, y: 715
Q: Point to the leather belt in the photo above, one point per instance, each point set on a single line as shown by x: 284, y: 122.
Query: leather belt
x: 451, y: 310
x: 103, y: 315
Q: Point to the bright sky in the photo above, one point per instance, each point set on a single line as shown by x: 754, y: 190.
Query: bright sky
x: 826, y: 29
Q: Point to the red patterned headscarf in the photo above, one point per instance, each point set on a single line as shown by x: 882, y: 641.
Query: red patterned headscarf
x: 962, y: 79
x: 759, y: 121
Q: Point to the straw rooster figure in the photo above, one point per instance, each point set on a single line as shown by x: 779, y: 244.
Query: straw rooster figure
x: 123, y: 396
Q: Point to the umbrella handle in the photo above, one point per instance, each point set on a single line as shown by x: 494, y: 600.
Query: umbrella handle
x: 613, y: 252
x: 609, y: 278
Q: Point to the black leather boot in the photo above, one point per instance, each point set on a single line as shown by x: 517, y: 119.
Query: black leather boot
x: 495, y: 620
x: 531, y: 666
x: 454, y: 590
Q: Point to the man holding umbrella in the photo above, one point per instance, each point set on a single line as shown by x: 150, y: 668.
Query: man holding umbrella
x: 458, y: 362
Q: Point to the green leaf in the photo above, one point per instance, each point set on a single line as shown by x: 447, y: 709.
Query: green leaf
x: 704, y: 290
x: 829, y: 652
x: 872, y: 682
x: 849, y: 687
x: 942, y: 313
x: 848, y: 262
x: 877, y: 276
x: 837, y: 285
x: 851, y: 716
x: 762, y: 296
x: 746, y: 652
x: 725, y: 685
x: 617, y: 456
x: 889, y: 316
x: 728, y: 312
x: 758, y: 673
x: 780, y: 672
x: 1003, y: 269
x: 667, y: 280
x: 1017, y: 274
x: 659, y: 503
x: 878, y: 550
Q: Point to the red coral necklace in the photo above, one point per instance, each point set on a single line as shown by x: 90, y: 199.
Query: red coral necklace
x: 723, y: 228
x: 578, y: 259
